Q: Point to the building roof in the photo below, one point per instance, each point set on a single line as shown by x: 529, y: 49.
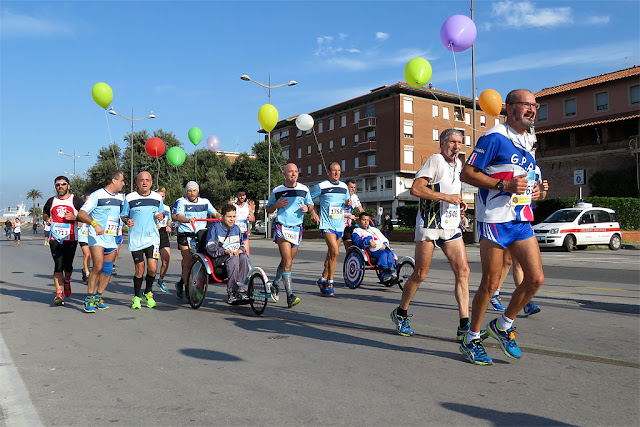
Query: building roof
x: 616, y: 75
x: 588, y: 123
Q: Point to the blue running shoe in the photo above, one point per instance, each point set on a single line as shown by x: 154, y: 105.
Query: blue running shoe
x: 402, y: 323
x: 531, y: 308
x: 98, y: 303
x: 89, y: 307
x: 179, y: 291
x: 507, y: 340
x: 163, y: 285
x: 496, y: 303
x: 322, y: 284
x: 474, y: 352
x: 329, y: 290
x: 462, y: 332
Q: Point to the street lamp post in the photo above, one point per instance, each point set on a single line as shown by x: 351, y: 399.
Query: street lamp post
x: 74, y: 157
x: 131, y: 119
x: 269, y: 87
x: 636, y: 157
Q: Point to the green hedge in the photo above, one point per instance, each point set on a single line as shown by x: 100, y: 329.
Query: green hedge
x: 407, y: 215
x: 627, y: 208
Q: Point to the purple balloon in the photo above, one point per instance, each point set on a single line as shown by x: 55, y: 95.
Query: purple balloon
x: 458, y: 33
x: 213, y: 143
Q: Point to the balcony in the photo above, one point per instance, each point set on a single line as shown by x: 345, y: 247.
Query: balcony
x: 368, y: 146
x: 367, y: 170
x: 367, y: 123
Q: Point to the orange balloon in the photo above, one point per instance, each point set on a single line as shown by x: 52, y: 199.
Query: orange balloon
x: 491, y: 102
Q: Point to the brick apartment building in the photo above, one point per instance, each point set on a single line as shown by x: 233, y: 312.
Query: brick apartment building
x: 588, y: 125
x: 381, y: 139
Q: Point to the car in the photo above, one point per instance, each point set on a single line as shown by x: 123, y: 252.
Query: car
x: 397, y: 223
x: 577, y: 227
x: 260, y: 227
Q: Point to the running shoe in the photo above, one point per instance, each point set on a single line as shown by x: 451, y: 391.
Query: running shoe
x: 58, y: 300
x: 531, y: 308
x: 329, y: 290
x: 292, y: 300
x: 474, y: 352
x: 386, y: 276
x: 113, y: 272
x: 179, y: 291
x: 89, y: 306
x: 275, y: 292
x: 163, y: 285
x: 461, y: 333
x: 67, y: 288
x: 322, y: 284
x: 402, y: 323
x: 507, y: 340
x: 148, y: 297
x: 135, y: 303
x: 233, y: 298
x: 497, y: 304
x: 99, y: 303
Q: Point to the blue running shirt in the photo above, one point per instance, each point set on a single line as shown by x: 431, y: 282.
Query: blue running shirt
x: 333, y: 197
x: 292, y: 215
x: 104, y: 207
x: 198, y: 209
x: 142, y: 210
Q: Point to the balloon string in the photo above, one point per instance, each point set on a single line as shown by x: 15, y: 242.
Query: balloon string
x: 111, y: 141
x: 319, y: 150
x: 455, y: 67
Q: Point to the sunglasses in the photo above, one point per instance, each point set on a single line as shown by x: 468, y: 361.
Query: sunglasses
x: 61, y: 184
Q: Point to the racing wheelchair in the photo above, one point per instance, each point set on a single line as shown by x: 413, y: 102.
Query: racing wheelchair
x: 204, y: 272
x: 358, y: 260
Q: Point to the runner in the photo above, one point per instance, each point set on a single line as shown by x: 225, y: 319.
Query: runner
x: 141, y: 211
x: 334, y: 198
x: 8, y: 226
x: 349, y: 215
x: 47, y: 232
x: 502, y: 166
x: 16, y: 232
x: 164, y: 227
x: 102, y: 212
x: 83, y: 241
x: 292, y: 200
x: 59, y: 213
x: 185, y: 211
x: 244, y: 215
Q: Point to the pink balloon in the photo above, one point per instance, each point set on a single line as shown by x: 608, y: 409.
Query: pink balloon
x: 213, y: 143
x: 458, y: 33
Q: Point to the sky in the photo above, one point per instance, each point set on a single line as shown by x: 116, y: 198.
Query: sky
x: 183, y: 61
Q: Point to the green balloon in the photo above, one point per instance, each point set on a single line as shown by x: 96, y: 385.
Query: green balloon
x: 176, y: 156
x: 102, y: 94
x: 417, y: 72
x: 195, y: 135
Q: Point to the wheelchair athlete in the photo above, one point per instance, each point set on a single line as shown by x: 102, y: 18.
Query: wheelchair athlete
x: 225, y: 246
x: 370, y: 238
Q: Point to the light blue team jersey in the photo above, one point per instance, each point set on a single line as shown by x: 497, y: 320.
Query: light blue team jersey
x: 333, y: 197
x: 198, y: 209
x: 104, y: 207
x: 167, y: 217
x: 292, y: 214
x: 142, y: 210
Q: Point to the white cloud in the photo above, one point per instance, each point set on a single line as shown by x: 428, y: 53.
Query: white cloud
x: 381, y: 36
x: 595, y: 20
x: 524, y: 14
x: 18, y: 25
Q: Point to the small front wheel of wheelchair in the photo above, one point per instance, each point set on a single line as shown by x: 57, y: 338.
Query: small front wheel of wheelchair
x: 353, y: 270
x: 197, y: 283
x: 258, y: 293
x: 405, y: 270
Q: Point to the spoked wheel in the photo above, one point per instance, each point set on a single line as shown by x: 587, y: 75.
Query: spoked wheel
x: 405, y: 270
x: 257, y: 293
x: 197, y: 283
x: 353, y: 269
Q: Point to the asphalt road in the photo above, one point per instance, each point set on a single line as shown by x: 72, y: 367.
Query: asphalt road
x: 328, y: 361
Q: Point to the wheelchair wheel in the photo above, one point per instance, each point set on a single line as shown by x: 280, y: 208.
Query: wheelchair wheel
x: 353, y: 269
x: 257, y: 293
x: 197, y: 283
x: 405, y: 270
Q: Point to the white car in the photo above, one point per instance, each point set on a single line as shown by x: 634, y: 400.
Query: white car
x: 260, y: 228
x: 578, y: 227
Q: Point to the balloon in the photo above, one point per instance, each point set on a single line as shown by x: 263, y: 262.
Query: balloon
x: 195, y: 135
x: 268, y: 117
x: 102, y: 94
x: 491, y: 102
x: 154, y: 147
x: 213, y: 143
x: 176, y: 156
x: 304, y: 122
x: 458, y: 33
x: 417, y: 72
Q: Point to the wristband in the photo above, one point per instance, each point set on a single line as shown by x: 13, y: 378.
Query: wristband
x: 94, y: 223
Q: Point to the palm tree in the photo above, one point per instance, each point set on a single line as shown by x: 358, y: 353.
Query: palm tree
x: 33, y: 195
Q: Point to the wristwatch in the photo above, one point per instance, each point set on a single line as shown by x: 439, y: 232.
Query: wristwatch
x: 500, y: 185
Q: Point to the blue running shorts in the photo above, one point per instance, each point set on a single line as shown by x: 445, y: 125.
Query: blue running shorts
x: 505, y: 233
x: 331, y: 231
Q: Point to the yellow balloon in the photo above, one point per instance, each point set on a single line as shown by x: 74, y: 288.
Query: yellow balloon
x: 268, y: 117
x: 491, y: 102
x: 102, y: 94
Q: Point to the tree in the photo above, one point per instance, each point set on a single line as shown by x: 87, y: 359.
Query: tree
x: 109, y: 159
x: 33, y: 195
x: 253, y: 174
x: 35, y: 212
x: 614, y: 183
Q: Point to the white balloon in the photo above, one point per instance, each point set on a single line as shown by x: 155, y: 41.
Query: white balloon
x: 304, y: 122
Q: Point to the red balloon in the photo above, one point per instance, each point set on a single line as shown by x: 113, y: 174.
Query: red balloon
x: 154, y: 147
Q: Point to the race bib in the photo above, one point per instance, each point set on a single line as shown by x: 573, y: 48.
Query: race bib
x: 242, y: 225
x: 62, y: 230
x: 232, y: 246
x: 336, y: 211
x: 525, y: 199
x: 449, y: 215
x: 84, y: 230
x: 291, y: 234
x: 192, y: 242
x: 156, y: 251
x: 111, y: 228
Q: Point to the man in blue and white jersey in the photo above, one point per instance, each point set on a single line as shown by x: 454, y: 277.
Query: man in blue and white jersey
x: 185, y: 211
x: 101, y: 211
x: 143, y: 208
x: 502, y: 166
x: 292, y: 200
x: 334, y: 198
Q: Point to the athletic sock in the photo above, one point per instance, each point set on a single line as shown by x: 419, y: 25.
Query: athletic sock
x: 496, y: 293
x: 322, y: 280
x: 150, y: 280
x: 401, y: 312
x: 137, y: 285
x: 464, y: 322
x: 278, y: 273
x: 504, y: 323
x: 472, y: 336
x: 286, y: 281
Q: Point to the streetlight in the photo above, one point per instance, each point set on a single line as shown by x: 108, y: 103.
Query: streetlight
x: 74, y: 157
x: 246, y: 78
x: 131, y: 119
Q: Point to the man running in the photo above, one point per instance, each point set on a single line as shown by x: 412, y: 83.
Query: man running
x: 16, y: 231
x: 502, y: 166
x: 292, y: 200
x: 354, y: 204
x: 438, y: 186
x: 164, y: 228
x: 101, y: 210
x: 141, y: 211
x: 60, y: 212
x: 185, y: 211
x: 244, y: 215
x: 83, y: 241
x: 334, y: 198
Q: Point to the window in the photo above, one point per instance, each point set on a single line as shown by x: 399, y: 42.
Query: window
x: 445, y: 113
x: 602, y: 101
x: 285, y: 154
x: 370, y: 111
x: 356, y: 117
x: 408, y: 128
x: 284, y: 136
x: 467, y: 118
x: 299, y: 153
x: 408, y: 154
x: 467, y: 140
x: 308, y: 170
x: 371, y: 134
x: 309, y: 132
x: 483, y: 121
x: 371, y: 160
x: 458, y: 113
x: 434, y: 110
x: 343, y: 142
x: 634, y: 94
x: 275, y: 136
x: 308, y: 150
x: 359, y: 184
x: 407, y: 105
x: 320, y: 146
x: 330, y: 124
x: 319, y: 169
x: 542, y: 115
x: 343, y: 120
x: 356, y: 163
x: 331, y: 145
x: 372, y: 184
x: 343, y: 165
x: 436, y: 135
x: 388, y: 184
x: 569, y: 107
x: 319, y: 127
x: 299, y: 171
x: 496, y: 122
x: 356, y: 139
